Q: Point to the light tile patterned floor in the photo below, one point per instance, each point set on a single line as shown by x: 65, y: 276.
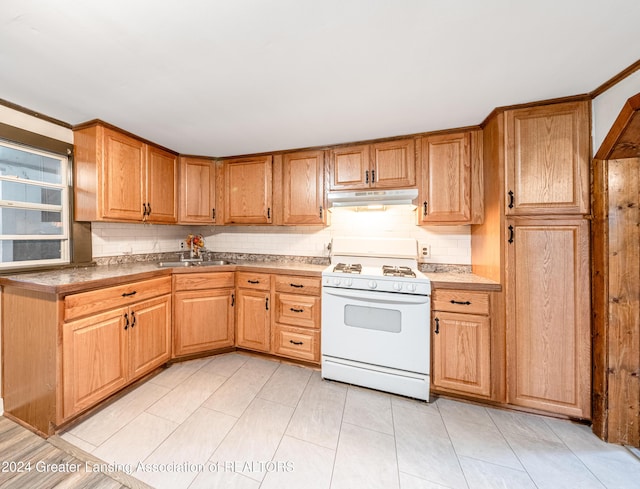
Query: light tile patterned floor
x: 241, y: 421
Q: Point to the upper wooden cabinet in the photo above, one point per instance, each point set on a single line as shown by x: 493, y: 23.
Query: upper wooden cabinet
x: 303, y: 188
x: 547, y: 159
x: 389, y: 164
x: 451, y: 179
x: 248, y: 190
x: 197, y: 191
x: 120, y: 178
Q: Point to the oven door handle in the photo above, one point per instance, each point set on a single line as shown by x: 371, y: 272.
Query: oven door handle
x: 376, y: 297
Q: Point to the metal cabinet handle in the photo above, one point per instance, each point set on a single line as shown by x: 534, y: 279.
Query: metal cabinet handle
x: 510, y: 234
x: 144, y: 210
x: 320, y: 212
x: 126, y: 321
x: 366, y: 176
x: 233, y: 300
x: 373, y: 176
x: 266, y: 303
x: 293, y: 309
x: 296, y: 342
x: 268, y: 212
x: 128, y: 294
x: 465, y: 303
x: 510, y: 199
x: 437, y: 331
x: 253, y: 281
x: 297, y: 286
x: 424, y: 208
x: 213, y: 213
x: 133, y: 319
x: 149, y: 207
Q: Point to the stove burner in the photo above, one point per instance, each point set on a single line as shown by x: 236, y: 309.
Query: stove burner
x: 391, y: 271
x: 348, y: 268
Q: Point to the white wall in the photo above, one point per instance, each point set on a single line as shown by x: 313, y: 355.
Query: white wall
x: 606, y: 107
x: 29, y: 123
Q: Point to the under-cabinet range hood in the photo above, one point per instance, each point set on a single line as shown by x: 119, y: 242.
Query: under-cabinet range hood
x: 366, y: 198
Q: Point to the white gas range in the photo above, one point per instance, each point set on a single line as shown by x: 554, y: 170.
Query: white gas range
x: 376, y: 316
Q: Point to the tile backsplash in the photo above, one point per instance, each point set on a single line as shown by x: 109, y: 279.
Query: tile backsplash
x: 449, y: 244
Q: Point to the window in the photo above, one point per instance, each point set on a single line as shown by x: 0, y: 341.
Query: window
x: 34, y: 207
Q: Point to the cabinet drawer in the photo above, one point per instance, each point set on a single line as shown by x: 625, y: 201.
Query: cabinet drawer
x: 85, y: 303
x: 460, y: 301
x: 248, y: 280
x: 298, y: 285
x: 296, y: 343
x: 199, y: 281
x: 298, y: 310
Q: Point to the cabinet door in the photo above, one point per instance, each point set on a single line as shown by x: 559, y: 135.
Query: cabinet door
x: 349, y: 168
x: 248, y: 186
x: 254, y: 319
x: 149, y: 335
x: 446, y: 179
x: 548, y: 318
x: 124, y: 185
x: 393, y: 164
x: 203, y: 320
x: 94, y: 359
x: 197, y: 191
x: 303, y: 188
x: 461, y: 353
x: 162, y: 186
x: 547, y: 159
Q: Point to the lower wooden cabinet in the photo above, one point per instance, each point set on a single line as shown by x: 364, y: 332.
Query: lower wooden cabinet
x: 461, y: 342
x: 103, y: 352
x: 203, y: 316
x: 254, y: 319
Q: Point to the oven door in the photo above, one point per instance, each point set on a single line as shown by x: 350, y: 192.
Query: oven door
x: 378, y: 328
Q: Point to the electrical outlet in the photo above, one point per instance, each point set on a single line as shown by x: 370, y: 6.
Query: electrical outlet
x: 181, y: 244
x: 424, y: 251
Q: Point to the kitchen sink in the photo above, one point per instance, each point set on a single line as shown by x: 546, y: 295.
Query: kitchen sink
x: 212, y: 263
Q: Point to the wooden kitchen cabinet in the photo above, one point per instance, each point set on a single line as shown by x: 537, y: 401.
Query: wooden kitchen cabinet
x: 296, y: 322
x: 389, y: 164
x: 248, y: 190
x: 203, y: 317
x: 120, y: 178
x: 461, y: 343
x: 547, y: 159
x: 548, y: 315
x: 109, y: 347
x: 451, y: 179
x: 253, y: 311
x: 197, y: 191
x: 303, y: 188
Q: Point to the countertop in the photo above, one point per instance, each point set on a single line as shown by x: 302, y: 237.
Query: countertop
x: 69, y: 280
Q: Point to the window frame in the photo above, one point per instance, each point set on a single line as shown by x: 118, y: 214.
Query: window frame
x: 64, y: 209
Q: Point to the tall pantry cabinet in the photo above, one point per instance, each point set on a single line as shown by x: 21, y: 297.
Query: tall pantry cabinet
x: 535, y: 241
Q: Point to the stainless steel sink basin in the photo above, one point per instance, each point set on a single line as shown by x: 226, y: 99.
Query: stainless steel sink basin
x: 212, y: 263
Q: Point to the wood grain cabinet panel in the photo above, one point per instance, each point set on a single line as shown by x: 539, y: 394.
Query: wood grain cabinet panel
x: 461, y: 353
x: 254, y: 319
x: 547, y: 159
x: 299, y: 343
x: 162, y: 186
x: 347, y: 167
x: 303, y: 188
x: 248, y: 190
x: 197, y: 191
x: 149, y: 335
x: 548, y: 315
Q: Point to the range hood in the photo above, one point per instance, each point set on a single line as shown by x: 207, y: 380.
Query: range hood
x: 364, y: 198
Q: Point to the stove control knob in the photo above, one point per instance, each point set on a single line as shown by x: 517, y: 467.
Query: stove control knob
x: 397, y: 286
x: 411, y: 287
x: 336, y: 281
x: 372, y: 284
x: 348, y: 282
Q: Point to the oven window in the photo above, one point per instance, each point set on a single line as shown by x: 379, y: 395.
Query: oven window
x: 375, y: 318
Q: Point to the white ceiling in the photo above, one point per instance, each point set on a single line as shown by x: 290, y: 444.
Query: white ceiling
x: 229, y: 77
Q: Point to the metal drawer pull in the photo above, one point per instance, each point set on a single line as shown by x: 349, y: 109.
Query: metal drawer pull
x: 292, y: 309
x: 133, y: 319
x: 373, y: 176
x: 233, y: 299
x: 366, y: 176
x: 126, y: 319
x: 128, y: 294
x: 465, y: 303
x: 296, y: 342
x: 297, y: 286
x: 266, y: 303
x: 510, y: 234
x: 510, y: 199
x: 253, y: 281
x: 437, y: 331
x: 424, y: 208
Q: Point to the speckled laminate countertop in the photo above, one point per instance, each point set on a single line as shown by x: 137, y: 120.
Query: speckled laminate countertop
x: 70, y: 280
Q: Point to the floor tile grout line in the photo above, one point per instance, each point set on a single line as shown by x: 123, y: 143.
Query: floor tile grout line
x: 395, y: 441
x: 453, y: 447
